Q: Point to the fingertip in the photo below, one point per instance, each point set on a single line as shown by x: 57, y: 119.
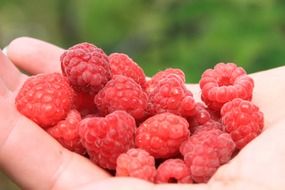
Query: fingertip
x: 34, y: 56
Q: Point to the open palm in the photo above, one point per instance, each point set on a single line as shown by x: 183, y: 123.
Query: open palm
x: 34, y: 160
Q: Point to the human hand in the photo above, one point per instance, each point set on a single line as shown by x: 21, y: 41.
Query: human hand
x: 34, y: 160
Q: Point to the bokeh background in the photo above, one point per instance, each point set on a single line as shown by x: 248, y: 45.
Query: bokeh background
x: 188, y: 34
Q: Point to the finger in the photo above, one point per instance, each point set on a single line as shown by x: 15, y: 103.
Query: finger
x: 9, y: 74
x: 34, y: 56
x: 34, y: 160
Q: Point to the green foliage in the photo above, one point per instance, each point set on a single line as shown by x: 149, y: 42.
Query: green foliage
x: 187, y: 34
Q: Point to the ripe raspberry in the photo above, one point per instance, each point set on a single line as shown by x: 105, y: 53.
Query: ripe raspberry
x: 209, y: 125
x: 122, y: 64
x: 170, y: 95
x: 162, y: 134
x: 203, y: 161
x: 215, y: 138
x: 66, y: 132
x: 45, y: 98
x: 243, y: 120
x: 136, y: 163
x: 200, y: 116
x: 86, y: 67
x: 106, y: 138
x: 84, y: 103
x: 122, y: 93
x: 165, y: 74
x: 173, y: 170
x: 224, y: 83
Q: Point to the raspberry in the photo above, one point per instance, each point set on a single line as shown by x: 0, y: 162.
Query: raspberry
x: 162, y: 134
x: 170, y: 95
x: 209, y: 125
x: 106, y: 138
x: 215, y: 138
x: 66, y: 132
x: 243, y: 120
x: 200, y: 116
x: 173, y: 170
x: 224, y: 83
x: 86, y: 67
x: 136, y: 163
x: 122, y: 93
x: 203, y: 161
x: 84, y: 103
x: 122, y: 64
x: 45, y: 98
x: 164, y: 74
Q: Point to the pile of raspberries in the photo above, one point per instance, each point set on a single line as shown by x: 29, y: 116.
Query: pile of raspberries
x: 105, y: 108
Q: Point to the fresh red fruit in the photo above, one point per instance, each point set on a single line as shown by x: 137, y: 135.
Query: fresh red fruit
x: 170, y: 95
x: 136, y: 163
x: 224, y: 83
x: 105, y: 138
x: 67, y: 134
x: 215, y: 138
x: 162, y: 134
x: 86, y: 67
x: 164, y: 74
x: 84, y: 103
x: 122, y: 93
x: 45, y: 98
x: 243, y: 120
x: 203, y: 161
x: 122, y: 64
x: 200, y: 115
x: 209, y: 125
x: 173, y: 171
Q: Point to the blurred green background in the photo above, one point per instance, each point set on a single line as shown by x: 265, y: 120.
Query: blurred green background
x: 188, y: 34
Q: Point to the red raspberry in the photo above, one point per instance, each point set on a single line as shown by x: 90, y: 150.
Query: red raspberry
x: 224, y: 83
x: 173, y: 170
x: 243, y: 120
x: 45, y: 98
x: 86, y: 67
x: 136, y: 163
x: 219, y: 140
x: 200, y: 116
x: 209, y: 125
x: 66, y: 132
x: 122, y: 93
x: 84, y: 103
x: 162, y: 134
x: 164, y: 74
x: 106, y: 138
x: 170, y: 95
x: 122, y: 64
x: 203, y: 161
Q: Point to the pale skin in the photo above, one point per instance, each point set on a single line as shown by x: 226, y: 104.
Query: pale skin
x: 33, y: 160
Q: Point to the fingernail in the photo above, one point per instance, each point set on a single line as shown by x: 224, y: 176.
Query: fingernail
x: 5, y: 50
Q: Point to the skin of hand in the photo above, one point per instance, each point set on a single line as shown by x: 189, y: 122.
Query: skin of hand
x: 34, y: 160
